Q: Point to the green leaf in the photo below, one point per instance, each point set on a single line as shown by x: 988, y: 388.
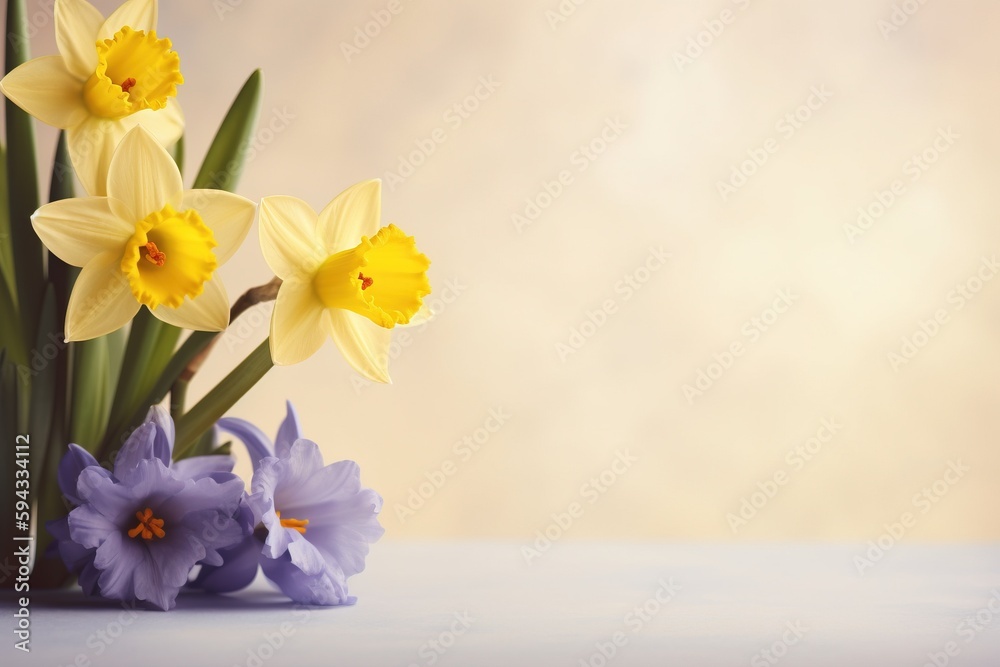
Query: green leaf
x: 143, y: 338
x: 6, y: 249
x: 217, y: 402
x: 224, y: 161
x: 48, y: 349
x: 177, y: 153
x: 61, y: 274
x: 10, y: 330
x: 92, y: 391
x: 22, y: 182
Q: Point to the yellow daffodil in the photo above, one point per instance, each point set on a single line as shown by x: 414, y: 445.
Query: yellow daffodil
x: 111, y: 75
x: 147, y: 243
x: 343, y: 277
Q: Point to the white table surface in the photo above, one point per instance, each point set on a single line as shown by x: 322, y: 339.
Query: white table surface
x: 733, y: 602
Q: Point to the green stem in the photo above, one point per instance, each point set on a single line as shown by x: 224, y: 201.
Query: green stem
x: 214, y: 405
x: 142, y: 343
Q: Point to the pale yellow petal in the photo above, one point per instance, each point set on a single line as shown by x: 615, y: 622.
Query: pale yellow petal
x: 167, y: 124
x: 288, y: 237
x: 355, y: 212
x: 296, y: 324
x: 78, y: 230
x: 101, y: 301
x: 229, y: 217
x: 77, y: 24
x: 143, y: 176
x: 91, y: 146
x: 364, y: 344
x: 209, y: 311
x: 136, y: 14
x: 44, y: 88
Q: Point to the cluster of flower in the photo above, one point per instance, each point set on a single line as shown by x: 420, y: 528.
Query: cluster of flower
x: 136, y: 532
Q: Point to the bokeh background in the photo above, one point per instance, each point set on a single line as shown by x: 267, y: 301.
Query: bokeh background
x: 546, y: 154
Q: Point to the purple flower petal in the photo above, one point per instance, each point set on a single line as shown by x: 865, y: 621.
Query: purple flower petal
x: 257, y: 444
x: 328, y: 588
x: 203, y: 466
x: 237, y: 571
x: 163, y: 443
x: 289, y: 431
x: 71, y: 465
x: 140, y: 446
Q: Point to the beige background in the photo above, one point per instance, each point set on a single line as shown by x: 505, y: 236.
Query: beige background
x: 522, y: 292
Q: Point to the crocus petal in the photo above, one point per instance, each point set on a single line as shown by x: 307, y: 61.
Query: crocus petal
x: 77, y: 25
x: 329, y: 588
x: 258, y: 445
x: 77, y: 230
x: 44, y: 88
x: 70, y: 466
x: 296, y: 324
x: 120, y: 561
x: 364, y: 344
x: 91, y: 146
x: 229, y: 217
x: 237, y: 571
x: 354, y: 213
x: 166, y: 124
x: 306, y: 557
x: 102, y: 300
x: 197, y: 467
x: 303, y: 462
x: 288, y: 432
x: 209, y: 311
x: 163, y: 445
x: 136, y: 14
x: 288, y: 237
x: 90, y: 528
x: 140, y: 446
x: 143, y: 176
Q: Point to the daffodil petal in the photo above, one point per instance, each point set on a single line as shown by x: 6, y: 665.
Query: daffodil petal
x: 91, y: 146
x: 296, y: 324
x: 44, y: 88
x: 136, y: 14
x: 209, y: 311
x: 288, y: 237
x: 167, y: 124
x: 101, y: 301
x: 355, y: 212
x: 77, y: 24
x: 229, y: 217
x: 143, y: 176
x: 364, y: 344
x: 78, y: 230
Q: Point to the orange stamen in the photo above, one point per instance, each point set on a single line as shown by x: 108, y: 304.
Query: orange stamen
x: 294, y: 524
x: 127, y: 84
x: 365, y: 282
x: 154, y: 255
x: 148, y: 525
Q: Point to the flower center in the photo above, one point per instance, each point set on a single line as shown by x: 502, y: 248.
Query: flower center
x: 181, y: 236
x: 135, y: 71
x: 294, y: 524
x: 390, y: 256
x: 148, y: 526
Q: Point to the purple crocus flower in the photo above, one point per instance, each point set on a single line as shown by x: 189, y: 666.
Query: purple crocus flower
x: 307, y: 525
x: 137, y: 531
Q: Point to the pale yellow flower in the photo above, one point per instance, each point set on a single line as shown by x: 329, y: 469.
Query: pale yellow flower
x: 344, y: 278
x: 147, y: 243
x: 111, y: 75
